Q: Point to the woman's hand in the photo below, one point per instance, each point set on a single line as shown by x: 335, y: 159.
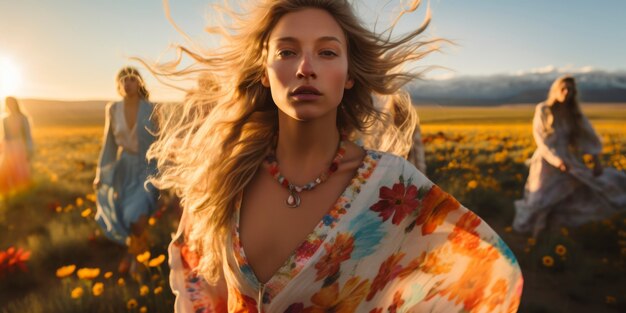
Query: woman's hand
x: 563, y: 167
x: 96, y: 183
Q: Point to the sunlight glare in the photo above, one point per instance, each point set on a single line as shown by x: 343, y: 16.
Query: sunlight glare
x: 10, y: 77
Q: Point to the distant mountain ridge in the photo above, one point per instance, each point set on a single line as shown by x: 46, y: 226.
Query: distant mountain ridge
x: 595, y: 86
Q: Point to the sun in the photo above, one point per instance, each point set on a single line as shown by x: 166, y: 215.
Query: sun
x: 10, y: 77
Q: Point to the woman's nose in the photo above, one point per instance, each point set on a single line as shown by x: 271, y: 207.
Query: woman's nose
x: 306, y: 68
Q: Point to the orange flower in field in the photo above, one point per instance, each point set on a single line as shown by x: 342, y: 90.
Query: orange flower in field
x: 560, y: 250
x: 66, y: 271
x: 157, y: 261
x: 336, y: 253
x: 98, y: 289
x: 108, y: 275
x: 86, y: 212
x: 88, y: 273
x: 143, y: 309
x: 436, y: 206
x: 131, y: 304
x: 331, y: 299
x: 144, y: 290
x: 158, y: 290
x: 77, y: 292
x: 388, y: 270
x: 144, y: 257
x: 472, y: 184
x: 548, y: 261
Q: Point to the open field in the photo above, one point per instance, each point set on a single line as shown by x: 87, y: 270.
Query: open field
x: 476, y: 154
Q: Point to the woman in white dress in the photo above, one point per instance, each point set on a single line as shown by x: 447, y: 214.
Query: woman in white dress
x: 561, y: 189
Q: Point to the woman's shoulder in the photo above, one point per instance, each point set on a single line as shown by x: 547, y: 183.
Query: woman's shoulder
x: 390, y: 164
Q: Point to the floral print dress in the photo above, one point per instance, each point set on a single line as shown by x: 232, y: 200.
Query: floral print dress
x: 393, y: 242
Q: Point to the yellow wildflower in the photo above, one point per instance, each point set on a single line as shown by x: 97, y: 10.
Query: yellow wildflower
x: 152, y: 221
x: 143, y: 309
x: 532, y: 241
x: 472, y: 184
x: 158, y: 290
x: 77, y: 292
x: 91, y: 197
x: 560, y: 250
x: 131, y: 304
x: 121, y: 282
x: 58, y: 209
x: 508, y: 229
x: 88, y: 273
x: 610, y: 299
x: 548, y: 261
x: 86, y: 212
x: 65, y: 271
x: 157, y: 261
x: 98, y: 289
x: 564, y: 231
x: 108, y: 275
x: 144, y: 257
x: 79, y: 201
x: 144, y: 290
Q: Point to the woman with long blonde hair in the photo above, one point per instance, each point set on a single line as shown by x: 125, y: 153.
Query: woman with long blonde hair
x: 560, y: 189
x: 282, y: 211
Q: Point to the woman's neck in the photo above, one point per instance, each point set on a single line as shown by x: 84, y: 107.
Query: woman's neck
x: 305, y: 149
x: 131, y: 100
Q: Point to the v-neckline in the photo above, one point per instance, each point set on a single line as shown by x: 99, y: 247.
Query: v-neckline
x: 299, y: 257
x: 130, y: 129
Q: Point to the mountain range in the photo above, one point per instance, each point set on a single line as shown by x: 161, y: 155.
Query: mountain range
x: 594, y: 86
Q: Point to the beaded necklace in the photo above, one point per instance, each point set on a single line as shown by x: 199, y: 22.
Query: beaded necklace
x: 293, y: 200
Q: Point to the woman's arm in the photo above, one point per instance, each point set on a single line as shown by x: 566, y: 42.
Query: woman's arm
x: 545, y: 139
x: 108, y: 154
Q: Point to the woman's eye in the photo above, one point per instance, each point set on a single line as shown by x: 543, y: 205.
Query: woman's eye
x: 285, y: 53
x: 328, y: 53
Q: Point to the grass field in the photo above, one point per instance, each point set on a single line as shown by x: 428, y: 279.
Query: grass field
x: 476, y: 154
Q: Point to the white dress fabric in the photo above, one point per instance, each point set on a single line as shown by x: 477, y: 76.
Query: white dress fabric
x: 556, y: 198
x: 392, y: 242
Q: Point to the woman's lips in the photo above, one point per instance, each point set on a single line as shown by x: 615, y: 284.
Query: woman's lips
x: 305, y: 93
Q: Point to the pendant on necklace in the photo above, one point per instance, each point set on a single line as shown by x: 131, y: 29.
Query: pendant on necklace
x: 293, y: 201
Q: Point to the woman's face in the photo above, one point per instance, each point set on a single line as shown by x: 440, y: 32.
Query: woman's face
x: 131, y: 85
x: 307, y: 64
x: 566, y: 92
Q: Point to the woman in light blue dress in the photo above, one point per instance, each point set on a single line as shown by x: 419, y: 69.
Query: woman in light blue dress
x: 124, y: 198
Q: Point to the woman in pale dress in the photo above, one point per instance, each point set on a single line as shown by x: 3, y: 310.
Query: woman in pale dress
x: 125, y: 200
x: 16, y: 149
x: 561, y: 189
x: 272, y: 169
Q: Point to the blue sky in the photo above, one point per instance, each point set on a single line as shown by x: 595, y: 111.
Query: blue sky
x: 71, y: 49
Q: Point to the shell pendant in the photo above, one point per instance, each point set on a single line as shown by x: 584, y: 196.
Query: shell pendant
x: 293, y: 200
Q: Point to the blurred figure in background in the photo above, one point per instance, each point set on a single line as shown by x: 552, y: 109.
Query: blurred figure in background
x: 124, y: 200
x: 561, y: 189
x: 16, y: 149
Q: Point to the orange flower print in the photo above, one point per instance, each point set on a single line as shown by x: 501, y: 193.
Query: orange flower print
x: 398, y: 201
x: 376, y: 310
x: 331, y: 299
x: 190, y: 258
x: 430, y: 263
x: 435, y: 207
x: 243, y: 303
x: 470, y: 287
x: 336, y: 253
x: 497, y: 295
x: 464, y: 237
x: 397, y: 303
x: 388, y: 270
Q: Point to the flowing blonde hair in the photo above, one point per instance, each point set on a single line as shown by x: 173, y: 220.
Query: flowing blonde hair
x: 574, y: 114
x: 211, y: 148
